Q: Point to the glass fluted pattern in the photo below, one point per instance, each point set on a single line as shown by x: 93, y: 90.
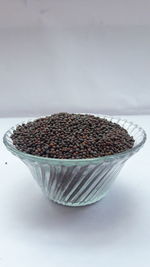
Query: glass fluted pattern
x: 78, y: 182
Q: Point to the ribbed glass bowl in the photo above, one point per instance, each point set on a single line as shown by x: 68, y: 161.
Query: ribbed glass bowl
x: 78, y: 182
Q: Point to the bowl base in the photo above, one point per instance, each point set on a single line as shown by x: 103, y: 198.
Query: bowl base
x: 78, y: 204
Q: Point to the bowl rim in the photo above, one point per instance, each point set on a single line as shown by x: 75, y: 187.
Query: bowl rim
x: 9, y: 145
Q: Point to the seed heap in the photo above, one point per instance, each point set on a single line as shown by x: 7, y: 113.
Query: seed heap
x: 71, y: 136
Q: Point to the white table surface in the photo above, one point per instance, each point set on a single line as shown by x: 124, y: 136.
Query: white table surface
x: 113, y: 232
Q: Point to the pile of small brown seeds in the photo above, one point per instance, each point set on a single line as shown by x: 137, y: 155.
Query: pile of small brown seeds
x: 71, y: 136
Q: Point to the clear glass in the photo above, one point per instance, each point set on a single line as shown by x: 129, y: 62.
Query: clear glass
x: 78, y: 182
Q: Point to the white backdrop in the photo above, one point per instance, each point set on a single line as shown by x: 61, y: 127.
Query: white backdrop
x: 79, y: 56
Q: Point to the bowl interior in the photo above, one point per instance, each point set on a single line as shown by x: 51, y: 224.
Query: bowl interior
x: 134, y: 130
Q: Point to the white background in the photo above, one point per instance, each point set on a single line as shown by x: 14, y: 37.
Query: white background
x: 79, y: 56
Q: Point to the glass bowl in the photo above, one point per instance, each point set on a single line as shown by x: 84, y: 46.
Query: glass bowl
x: 78, y: 182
